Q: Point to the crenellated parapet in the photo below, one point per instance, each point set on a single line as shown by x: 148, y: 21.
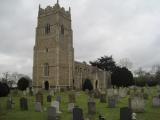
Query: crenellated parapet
x: 54, y: 9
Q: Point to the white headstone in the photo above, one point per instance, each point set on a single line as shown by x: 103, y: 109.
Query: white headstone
x: 56, y: 105
x: 156, y: 102
x: 70, y: 107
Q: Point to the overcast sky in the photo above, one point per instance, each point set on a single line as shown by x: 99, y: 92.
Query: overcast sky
x: 121, y: 28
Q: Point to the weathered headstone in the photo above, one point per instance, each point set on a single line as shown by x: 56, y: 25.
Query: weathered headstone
x: 9, y: 103
x: 56, y: 105
x: 59, y: 98
x: 156, y: 101
x: 23, y: 104
x: 70, y: 107
x: 96, y: 93
x: 103, y: 98
x: 77, y: 114
x: 52, y: 113
x: 39, y: 97
x: 137, y: 104
x: 91, y: 107
x: 49, y: 98
x: 72, y: 97
x: 38, y: 107
x: 111, y: 102
x: 125, y: 113
x: 110, y: 92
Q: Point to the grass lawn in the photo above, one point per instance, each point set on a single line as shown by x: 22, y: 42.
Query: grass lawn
x: 109, y: 113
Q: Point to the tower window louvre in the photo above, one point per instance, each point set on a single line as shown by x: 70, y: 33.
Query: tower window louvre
x: 47, y: 29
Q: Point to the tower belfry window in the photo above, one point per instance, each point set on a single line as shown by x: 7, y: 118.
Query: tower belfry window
x: 47, y: 28
x: 62, y: 29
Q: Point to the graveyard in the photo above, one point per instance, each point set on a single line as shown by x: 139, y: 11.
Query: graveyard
x: 100, y: 106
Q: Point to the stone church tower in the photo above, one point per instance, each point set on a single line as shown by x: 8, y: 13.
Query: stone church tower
x: 53, y: 51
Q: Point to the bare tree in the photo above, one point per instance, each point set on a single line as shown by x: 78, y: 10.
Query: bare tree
x: 125, y: 62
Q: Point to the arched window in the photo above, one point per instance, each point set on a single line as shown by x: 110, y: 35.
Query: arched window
x: 62, y: 29
x: 47, y: 28
x: 46, y: 69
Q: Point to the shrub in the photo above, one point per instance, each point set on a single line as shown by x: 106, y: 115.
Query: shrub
x: 87, y: 85
x: 23, y: 83
x: 4, y: 89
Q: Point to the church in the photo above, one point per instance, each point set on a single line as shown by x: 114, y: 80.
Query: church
x: 53, y: 60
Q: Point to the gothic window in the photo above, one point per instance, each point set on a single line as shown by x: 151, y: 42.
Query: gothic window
x: 46, y: 50
x: 47, y: 28
x: 46, y: 69
x: 62, y: 29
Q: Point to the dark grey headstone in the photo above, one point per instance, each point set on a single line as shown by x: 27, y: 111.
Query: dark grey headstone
x: 77, y: 114
x: 91, y: 107
x: 58, y: 98
x: 49, y: 98
x: 72, y: 97
x: 111, y: 102
x: 39, y: 97
x: 23, y: 104
x: 125, y: 113
x: 52, y: 113
x: 103, y: 98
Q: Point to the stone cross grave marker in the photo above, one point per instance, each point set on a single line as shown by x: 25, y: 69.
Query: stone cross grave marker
x: 77, y: 114
x: 23, y: 104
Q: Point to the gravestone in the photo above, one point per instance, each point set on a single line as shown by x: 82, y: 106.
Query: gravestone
x: 72, y: 97
x: 38, y: 107
x: 137, y: 104
x: 96, y: 93
x: 129, y: 102
x: 9, y: 103
x: 103, y: 98
x: 77, y: 113
x: 110, y: 92
x: 91, y: 107
x: 70, y: 107
x: 52, y: 113
x: 156, y: 101
x: 58, y: 98
x: 125, y: 113
x: 23, y: 104
x: 111, y: 102
x: 145, y: 96
x: 56, y: 105
x: 39, y: 97
x: 49, y: 98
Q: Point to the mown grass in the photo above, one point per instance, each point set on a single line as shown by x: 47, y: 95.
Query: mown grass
x: 101, y: 108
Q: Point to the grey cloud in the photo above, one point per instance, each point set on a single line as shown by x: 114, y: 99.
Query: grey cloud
x: 123, y: 28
